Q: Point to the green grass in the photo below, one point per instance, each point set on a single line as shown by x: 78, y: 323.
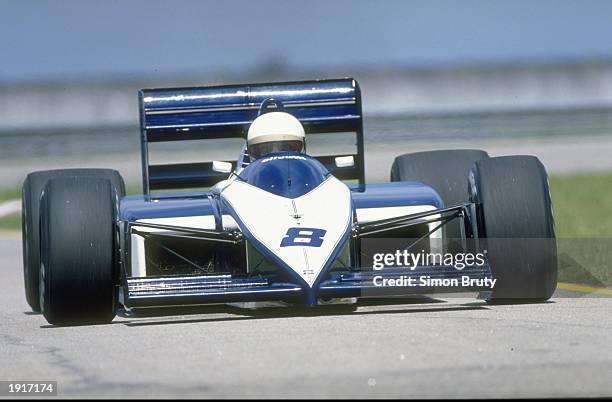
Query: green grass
x: 12, y: 222
x: 583, y: 218
x: 10, y: 194
x: 582, y: 205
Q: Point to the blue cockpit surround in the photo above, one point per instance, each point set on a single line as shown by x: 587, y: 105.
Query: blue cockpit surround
x: 286, y: 174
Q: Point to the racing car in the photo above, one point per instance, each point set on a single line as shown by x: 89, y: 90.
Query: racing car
x: 287, y: 226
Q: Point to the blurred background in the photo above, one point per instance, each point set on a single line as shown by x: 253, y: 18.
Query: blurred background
x: 510, y: 77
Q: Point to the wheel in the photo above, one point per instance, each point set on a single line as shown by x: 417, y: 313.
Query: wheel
x: 30, y: 206
x: 446, y: 172
x: 517, y: 218
x: 78, y: 270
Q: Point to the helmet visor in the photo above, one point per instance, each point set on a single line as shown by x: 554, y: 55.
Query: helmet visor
x: 263, y: 148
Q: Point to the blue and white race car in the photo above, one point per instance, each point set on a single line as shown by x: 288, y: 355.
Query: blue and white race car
x: 285, y: 225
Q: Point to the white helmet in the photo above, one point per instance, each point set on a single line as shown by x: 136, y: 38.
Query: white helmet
x: 275, y: 132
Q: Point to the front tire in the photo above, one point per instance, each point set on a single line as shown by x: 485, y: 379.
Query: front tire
x: 78, y: 248
x: 30, y: 218
x: 516, y: 213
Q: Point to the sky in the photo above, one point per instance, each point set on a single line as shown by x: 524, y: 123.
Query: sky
x: 68, y: 39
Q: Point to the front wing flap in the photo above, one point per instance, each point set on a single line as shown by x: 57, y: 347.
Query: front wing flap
x: 205, y: 289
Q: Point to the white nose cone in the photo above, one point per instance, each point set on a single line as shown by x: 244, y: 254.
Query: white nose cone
x: 275, y: 126
x: 303, y: 233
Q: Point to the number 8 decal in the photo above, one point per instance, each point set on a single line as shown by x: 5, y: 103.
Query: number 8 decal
x: 305, y: 237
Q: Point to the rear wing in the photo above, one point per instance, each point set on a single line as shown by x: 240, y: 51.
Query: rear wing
x: 209, y: 113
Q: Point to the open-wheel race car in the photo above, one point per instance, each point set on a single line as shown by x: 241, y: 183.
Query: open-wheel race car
x: 285, y: 226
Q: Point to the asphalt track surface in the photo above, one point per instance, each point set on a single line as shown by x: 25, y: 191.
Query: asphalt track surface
x: 422, y: 347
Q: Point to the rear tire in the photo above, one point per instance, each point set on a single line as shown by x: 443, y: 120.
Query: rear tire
x: 516, y: 213
x: 30, y: 201
x: 445, y: 171
x: 78, y: 249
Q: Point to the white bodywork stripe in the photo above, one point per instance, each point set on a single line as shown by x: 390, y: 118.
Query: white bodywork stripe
x: 195, y: 222
x: 365, y: 215
x: 139, y: 266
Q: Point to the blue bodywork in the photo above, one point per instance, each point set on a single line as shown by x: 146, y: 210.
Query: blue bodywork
x: 208, y: 113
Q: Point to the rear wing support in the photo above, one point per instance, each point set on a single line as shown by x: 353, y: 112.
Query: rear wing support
x: 208, y: 113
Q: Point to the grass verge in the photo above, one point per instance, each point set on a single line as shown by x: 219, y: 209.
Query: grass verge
x: 582, y: 205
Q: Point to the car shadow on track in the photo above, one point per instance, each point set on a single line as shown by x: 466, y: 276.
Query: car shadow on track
x: 231, y: 313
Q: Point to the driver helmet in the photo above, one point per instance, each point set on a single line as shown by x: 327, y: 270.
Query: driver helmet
x: 275, y: 132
